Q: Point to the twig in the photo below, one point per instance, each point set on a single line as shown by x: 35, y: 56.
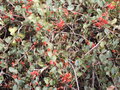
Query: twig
x: 97, y: 79
x: 75, y: 75
x: 20, y: 28
x: 23, y: 56
x: 94, y: 47
x: 42, y: 69
x: 93, y: 78
x: 11, y: 3
x: 72, y: 88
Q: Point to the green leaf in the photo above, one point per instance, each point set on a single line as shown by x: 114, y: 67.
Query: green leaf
x: 102, y: 57
x: 99, y: 12
x: 8, y: 39
x: 53, y: 58
x: 70, y: 7
x: 37, y: 88
x: 77, y: 63
x: 54, y: 88
x: 2, y: 8
x: 17, y: 8
x: 50, y: 54
x: 12, y: 30
x: 48, y: 2
x: 108, y: 54
x: 13, y: 70
x: 53, y: 70
x: 15, y: 87
x: 1, y: 46
x: 63, y: 1
x: 44, y: 88
x: 40, y: 63
x: 107, y: 31
x: 21, y: 35
x: 69, y: 2
x: 50, y: 45
x: 102, y: 44
x: 100, y: 3
x: 79, y: 74
x: 47, y: 80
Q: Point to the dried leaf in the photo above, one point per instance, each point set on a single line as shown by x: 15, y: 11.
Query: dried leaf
x: 111, y: 87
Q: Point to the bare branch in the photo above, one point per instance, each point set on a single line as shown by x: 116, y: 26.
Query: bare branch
x: 75, y: 75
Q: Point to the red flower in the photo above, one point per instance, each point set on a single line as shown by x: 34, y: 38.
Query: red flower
x: 14, y: 76
x: 66, y: 12
x: 70, y: 85
x: 60, y: 88
x: 75, y: 13
x: 26, y: 7
x: 88, y: 66
x: 5, y: 17
x: 12, y: 19
x: 103, y: 20
x: 0, y: 62
x: 13, y: 64
x: 60, y: 24
x: 35, y: 43
x: 93, y: 45
x: 44, y: 43
x: 48, y: 30
x: 21, y: 1
x: 18, y: 39
x: 116, y: 0
x: 48, y: 49
x: 114, y: 51
x: 37, y: 29
x: 29, y: 0
x: 87, y: 42
x: 36, y: 83
x: 36, y: 73
x: 100, y: 22
x: 23, y: 63
x: 52, y: 62
x: 111, y: 6
x: 105, y: 14
x: 28, y: 12
x: 55, y: 52
x: 66, y: 78
x: 39, y: 25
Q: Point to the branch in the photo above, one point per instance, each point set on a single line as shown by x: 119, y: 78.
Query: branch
x: 75, y: 75
x: 94, y: 47
x: 23, y: 56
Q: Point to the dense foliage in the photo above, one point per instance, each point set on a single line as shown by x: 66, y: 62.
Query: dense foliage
x: 59, y: 44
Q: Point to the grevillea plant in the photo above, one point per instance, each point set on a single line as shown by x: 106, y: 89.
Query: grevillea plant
x: 59, y: 44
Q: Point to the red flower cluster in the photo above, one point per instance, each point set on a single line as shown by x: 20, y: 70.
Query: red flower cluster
x: 88, y: 43
x: 66, y: 12
x: 44, y: 43
x: 36, y: 73
x: 28, y: 6
x: 66, y: 78
x: 52, y: 62
x: 105, y: 14
x: 14, y: 76
x: 111, y: 6
x: 29, y: 0
x: 60, y: 24
x: 39, y: 27
x: 101, y: 22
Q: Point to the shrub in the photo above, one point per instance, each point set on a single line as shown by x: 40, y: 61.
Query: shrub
x: 59, y: 44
